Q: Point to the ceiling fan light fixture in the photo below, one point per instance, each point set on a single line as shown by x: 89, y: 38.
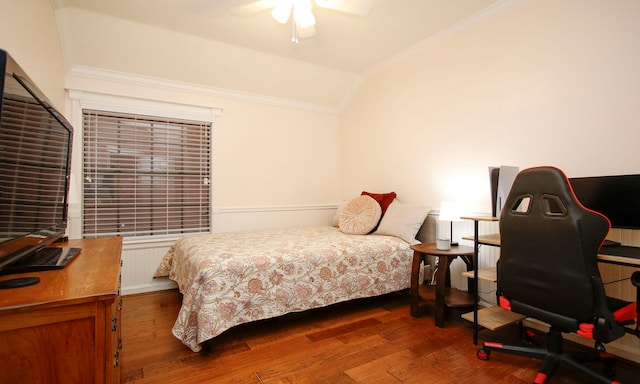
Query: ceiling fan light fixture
x: 282, y: 12
x: 304, y: 18
x: 303, y: 5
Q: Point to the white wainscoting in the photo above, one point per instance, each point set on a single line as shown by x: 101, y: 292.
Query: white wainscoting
x: 488, y: 256
x: 142, y: 257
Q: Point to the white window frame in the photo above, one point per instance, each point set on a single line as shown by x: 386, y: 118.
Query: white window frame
x: 81, y: 100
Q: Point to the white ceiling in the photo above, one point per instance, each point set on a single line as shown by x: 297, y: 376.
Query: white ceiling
x: 344, y: 42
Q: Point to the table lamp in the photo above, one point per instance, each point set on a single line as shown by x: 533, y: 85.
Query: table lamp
x: 450, y: 212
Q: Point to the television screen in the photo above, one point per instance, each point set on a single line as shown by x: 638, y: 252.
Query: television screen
x: 616, y: 197
x: 35, y: 149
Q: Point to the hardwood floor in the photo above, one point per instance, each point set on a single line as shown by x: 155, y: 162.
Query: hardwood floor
x: 368, y: 341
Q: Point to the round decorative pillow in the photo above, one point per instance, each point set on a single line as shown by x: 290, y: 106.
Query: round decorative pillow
x: 360, y: 216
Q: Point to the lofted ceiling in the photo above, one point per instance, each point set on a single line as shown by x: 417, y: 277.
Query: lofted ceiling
x: 344, y: 42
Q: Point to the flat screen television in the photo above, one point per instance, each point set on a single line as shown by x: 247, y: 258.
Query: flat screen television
x: 616, y: 197
x: 35, y: 158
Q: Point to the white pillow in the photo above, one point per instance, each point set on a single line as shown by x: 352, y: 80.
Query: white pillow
x: 360, y: 216
x: 403, y: 221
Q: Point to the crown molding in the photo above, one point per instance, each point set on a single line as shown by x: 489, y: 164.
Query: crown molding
x: 80, y: 71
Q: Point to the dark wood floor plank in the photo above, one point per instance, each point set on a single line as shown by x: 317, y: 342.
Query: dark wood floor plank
x: 342, y: 329
x: 368, y: 341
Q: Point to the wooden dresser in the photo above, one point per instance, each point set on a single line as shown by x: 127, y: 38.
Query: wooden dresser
x: 66, y: 329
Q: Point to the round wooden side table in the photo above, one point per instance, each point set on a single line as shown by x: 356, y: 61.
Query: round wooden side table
x: 442, y: 294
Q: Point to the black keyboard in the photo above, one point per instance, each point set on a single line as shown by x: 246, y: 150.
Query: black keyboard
x: 45, y: 259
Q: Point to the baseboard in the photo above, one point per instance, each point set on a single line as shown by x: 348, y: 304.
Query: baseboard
x: 163, y: 284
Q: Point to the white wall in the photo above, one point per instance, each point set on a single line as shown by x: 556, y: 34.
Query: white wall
x: 28, y: 31
x: 275, y: 160
x: 271, y: 151
x: 544, y: 83
x: 263, y: 155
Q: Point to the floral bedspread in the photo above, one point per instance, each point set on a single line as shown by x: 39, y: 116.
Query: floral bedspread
x: 232, y: 278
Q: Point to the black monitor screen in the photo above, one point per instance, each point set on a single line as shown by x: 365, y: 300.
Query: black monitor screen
x: 617, y: 197
x: 35, y: 150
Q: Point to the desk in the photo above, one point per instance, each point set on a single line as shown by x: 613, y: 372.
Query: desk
x: 493, y: 240
x: 620, y: 255
x: 442, y: 294
x: 613, y: 254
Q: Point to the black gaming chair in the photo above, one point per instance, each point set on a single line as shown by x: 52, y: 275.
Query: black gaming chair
x: 548, y: 271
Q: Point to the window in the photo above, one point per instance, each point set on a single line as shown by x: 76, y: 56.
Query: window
x: 145, y: 176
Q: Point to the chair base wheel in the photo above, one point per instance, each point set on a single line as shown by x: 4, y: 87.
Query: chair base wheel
x: 483, y: 354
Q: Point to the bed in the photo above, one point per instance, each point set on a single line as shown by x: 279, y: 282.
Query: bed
x: 227, y: 279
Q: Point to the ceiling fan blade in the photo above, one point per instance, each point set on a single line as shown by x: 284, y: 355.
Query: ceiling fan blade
x: 356, y: 7
x: 306, y: 32
x: 252, y: 8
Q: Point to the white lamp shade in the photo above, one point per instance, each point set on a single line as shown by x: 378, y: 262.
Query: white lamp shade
x: 449, y: 211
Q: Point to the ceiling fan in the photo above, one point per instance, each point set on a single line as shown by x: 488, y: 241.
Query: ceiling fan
x: 303, y: 21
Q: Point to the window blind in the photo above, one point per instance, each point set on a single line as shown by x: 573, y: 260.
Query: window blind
x: 145, y: 176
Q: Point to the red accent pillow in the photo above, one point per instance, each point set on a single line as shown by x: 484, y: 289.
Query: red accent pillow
x: 384, y: 199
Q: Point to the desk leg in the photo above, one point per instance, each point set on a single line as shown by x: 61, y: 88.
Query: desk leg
x: 468, y: 261
x: 441, y: 284
x: 476, y: 251
x: 415, y: 284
